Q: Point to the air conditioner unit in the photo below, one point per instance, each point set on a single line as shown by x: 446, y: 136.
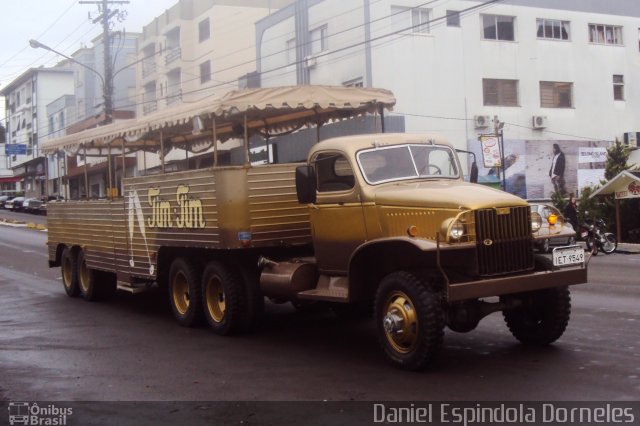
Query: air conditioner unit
x: 310, y: 61
x: 539, y: 121
x: 481, y: 121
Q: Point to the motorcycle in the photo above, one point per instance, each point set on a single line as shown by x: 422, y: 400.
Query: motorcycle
x: 596, y: 239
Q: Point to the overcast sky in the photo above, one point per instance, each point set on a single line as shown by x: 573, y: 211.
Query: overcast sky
x: 61, y: 24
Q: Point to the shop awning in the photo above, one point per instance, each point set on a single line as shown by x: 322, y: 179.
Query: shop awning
x: 276, y: 109
x: 10, y: 179
x: 625, y: 185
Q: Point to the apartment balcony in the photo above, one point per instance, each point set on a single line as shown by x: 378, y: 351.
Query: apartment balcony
x: 172, y: 55
x: 148, y: 68
x: 174, y: 97
x: 149, y: 107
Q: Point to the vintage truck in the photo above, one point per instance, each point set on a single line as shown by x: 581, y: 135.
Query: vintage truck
x: 381, y: 223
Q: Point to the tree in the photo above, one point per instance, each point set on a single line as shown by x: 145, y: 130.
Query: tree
x: 617, y: 157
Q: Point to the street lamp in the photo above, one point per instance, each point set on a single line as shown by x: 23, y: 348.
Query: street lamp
x: 107, y: 84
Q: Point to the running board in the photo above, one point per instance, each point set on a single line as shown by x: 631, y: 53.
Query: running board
x: 132, y: 288
x: 329, y: 289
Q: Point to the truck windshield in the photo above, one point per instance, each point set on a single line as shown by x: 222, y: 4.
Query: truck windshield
x: 403, y: 162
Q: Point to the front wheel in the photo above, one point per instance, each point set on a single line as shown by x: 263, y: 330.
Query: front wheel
x: 610, y: 243
x: 542, y: 317
x: 592, y: 246
x: 409, y: 320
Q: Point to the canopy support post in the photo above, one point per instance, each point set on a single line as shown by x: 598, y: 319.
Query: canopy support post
x: 46, y: 176
x: 86, y: 173
x: 144, y: 156
x: 162, y: 152
x: 109, y: 187
x: 246, y: 142
x: 618, y: 224
x: 59, y: 175
x: 124, y: 170
x: 381, y: 109
x: 186, y: 153
x: 214, y: 135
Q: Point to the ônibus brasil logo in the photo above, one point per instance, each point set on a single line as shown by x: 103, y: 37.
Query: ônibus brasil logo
x: 25, y: 413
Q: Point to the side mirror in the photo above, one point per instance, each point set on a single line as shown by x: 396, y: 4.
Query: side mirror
x: 473, y: 174
x: 306, y: 184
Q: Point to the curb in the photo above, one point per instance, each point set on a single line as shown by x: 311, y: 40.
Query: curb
x: 17, y: 224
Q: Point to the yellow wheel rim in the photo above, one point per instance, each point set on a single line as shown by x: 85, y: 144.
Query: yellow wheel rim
x: 180, y: 293
x: 84, y: 276
x: 67, y: 273
x: 400, y: 322
x: 214, y: 295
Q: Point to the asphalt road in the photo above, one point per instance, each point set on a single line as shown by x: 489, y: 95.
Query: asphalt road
x: 56, y: 348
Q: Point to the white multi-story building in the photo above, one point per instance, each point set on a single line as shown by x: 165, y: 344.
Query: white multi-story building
x: 196, y: 49
x: 86, y: 109
x: 554, y: 72
x: 26, y: 99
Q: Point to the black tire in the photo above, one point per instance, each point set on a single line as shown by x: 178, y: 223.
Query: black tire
x: 94, y: 285
x: 185, y: 296
x: 402, y: 295
x: 542, y: 318
x: 253, y: 310
x: 69, y: 272
x: 592, y: 247
x: 224, y: 299
x: 611, y: 245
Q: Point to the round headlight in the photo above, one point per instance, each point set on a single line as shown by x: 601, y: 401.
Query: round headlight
x: 536, y: 221
x: 457, y: 230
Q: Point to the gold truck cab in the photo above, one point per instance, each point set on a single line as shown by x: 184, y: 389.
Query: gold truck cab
x: 395, y: 225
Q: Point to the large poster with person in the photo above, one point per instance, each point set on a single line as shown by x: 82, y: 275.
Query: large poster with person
x: 535, y: 169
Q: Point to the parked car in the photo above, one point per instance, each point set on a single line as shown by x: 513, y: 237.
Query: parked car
x: 552, y: 223
x: 14, y: 204
x: 4, y: 199
x: 31, y: 205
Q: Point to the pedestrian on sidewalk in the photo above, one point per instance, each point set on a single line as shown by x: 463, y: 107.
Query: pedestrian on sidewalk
x: 571, y: 212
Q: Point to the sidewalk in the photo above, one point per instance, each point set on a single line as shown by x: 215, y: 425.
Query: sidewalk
x: 627, y: 248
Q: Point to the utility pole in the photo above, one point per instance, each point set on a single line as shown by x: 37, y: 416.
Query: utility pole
x: 105, y: 19
x: 498, y: 128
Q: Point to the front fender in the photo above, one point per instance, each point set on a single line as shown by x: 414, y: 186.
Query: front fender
x: 373, y: 260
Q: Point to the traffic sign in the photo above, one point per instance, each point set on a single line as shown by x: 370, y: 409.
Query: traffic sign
x: 15, y: 149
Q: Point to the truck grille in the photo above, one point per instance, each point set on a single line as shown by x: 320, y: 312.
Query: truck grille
x: 504, y: 240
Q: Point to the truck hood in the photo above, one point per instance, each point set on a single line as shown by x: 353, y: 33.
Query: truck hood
x: 444, y: 194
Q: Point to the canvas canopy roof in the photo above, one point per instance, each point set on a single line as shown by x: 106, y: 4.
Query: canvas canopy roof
x: 624, y: 185
x: 266, y: 110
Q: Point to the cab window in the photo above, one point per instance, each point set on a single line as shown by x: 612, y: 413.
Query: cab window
x: 334, y: 173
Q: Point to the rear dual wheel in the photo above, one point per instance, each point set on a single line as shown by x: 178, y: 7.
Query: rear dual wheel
x: 79, y: 280
x: 229, y: 300
x: 184, y: 292
x: 232, y: 300
x: 69, y: 272
x: 94, y: 285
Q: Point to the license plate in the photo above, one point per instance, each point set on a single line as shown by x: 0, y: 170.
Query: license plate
x: 584, y: 234
x: 568, y: 256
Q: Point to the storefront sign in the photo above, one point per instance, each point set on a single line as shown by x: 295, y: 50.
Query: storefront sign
x: 490, y: 151
x: 632, y: 191
x: 592, y: 155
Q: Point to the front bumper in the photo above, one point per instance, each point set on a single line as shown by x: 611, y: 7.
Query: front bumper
x: 516, y: 284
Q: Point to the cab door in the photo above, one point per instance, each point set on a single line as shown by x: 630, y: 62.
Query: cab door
x: 337, y: 218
